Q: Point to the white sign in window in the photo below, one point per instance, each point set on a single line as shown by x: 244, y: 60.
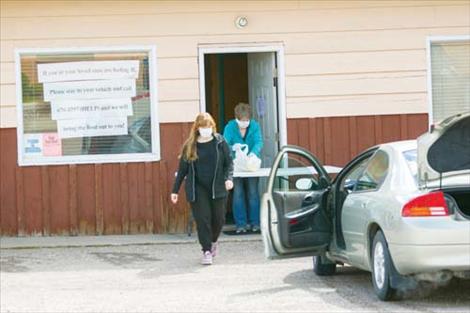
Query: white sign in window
x: 84, y: 105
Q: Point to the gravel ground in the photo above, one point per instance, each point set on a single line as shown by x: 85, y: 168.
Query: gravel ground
x: 169, y: 278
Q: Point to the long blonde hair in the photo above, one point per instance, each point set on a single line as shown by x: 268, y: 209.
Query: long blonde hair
x: 189, y: 151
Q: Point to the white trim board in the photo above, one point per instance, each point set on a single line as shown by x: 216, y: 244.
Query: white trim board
x: 155, y: 155
x: 277, y: 48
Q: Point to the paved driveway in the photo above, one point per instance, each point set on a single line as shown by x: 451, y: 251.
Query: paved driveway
x: 168, y: 278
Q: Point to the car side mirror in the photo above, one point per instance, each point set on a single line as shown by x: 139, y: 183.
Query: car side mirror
x: 304, y: 184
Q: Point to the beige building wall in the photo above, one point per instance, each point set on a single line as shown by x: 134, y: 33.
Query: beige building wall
x: 341, y: 57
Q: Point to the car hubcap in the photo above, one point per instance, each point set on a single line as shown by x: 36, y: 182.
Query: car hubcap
x: 379, y: 265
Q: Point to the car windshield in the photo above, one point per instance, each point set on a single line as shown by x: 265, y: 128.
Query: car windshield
x: 411, y: 160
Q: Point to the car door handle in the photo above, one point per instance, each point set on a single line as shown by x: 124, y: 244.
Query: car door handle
x: 364, y: 205
x: 302, y: 212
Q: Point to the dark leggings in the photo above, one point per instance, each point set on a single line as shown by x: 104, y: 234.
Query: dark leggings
x: 209, y: 215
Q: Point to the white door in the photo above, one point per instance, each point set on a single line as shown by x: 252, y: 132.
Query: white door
x: 263, y: 99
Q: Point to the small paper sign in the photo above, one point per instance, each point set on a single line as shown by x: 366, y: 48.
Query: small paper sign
x: 90, y: 89
x: 51, y: 144
x: 32, y: 144
x: 87, y: 70
x: 94, y: 108
x: 92, y: 127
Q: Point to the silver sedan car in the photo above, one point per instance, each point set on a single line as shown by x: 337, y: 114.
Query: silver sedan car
x: 400, y: 210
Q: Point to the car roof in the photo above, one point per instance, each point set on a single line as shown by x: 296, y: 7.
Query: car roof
x: 401, y: 146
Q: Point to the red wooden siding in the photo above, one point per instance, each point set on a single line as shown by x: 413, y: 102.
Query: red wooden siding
x: 130, y: 198
x: 96, y: 199
x: 335, y: 140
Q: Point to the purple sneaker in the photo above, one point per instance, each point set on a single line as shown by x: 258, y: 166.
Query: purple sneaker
x: 214, y: 249
x: 206, y: 258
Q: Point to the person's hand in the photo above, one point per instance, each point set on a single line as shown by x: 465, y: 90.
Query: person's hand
x: 174, y: 198
x: 236, y: 146
x: 228, y: 184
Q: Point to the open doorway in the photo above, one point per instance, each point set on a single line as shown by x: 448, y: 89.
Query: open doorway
x: 231, y: 78
x: 254, y: 75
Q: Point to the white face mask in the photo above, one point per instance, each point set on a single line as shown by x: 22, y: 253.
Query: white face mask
x: 205, y: 132
x: 243, y: 124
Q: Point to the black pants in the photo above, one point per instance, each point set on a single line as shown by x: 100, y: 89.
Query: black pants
x: 209, y: 215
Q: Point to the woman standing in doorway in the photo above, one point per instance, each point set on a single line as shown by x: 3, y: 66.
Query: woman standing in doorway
x: 245, y: 130
x: 206, y: 163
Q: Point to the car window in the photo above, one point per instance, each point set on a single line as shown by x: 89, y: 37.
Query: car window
x: 411, y: 159
x: 295, y: 173
x: 374, y: 174
x: 350, y: 180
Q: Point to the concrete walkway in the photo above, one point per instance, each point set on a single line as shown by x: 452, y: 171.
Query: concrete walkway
x: 108, y: 240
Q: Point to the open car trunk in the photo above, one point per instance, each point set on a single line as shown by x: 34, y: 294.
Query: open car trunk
x: 444, y: 162
x: 444, y: 154
x: 458, y: 201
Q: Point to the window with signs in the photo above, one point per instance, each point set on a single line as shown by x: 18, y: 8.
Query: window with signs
x: 449, y: 76
x: 87, y: 106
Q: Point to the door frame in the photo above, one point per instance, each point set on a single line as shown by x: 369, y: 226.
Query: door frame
x: 277, y: 48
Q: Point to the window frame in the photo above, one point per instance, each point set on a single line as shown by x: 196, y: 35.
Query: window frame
x: 154, y: 155
x: 429, y: 41
x: 283, y: 177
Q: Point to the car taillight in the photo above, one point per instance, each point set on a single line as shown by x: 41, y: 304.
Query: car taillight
x: 431, y: 204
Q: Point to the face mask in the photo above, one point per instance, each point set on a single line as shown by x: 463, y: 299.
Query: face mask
x: 243, y: 124
x: 205, y: 132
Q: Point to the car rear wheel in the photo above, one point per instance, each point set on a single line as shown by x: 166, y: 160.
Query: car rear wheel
x: 322, y: 267
x: 381, y: 268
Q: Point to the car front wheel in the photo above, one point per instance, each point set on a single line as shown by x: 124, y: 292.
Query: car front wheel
x: 381, y: 267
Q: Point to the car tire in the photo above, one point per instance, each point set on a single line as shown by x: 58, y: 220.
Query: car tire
x: 381, y: 268
x: 322, y: 268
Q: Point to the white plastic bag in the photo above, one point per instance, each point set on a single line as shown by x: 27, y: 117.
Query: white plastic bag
x: 243, y: 161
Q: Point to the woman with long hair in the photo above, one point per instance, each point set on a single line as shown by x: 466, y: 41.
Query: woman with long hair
x: 206, y: 163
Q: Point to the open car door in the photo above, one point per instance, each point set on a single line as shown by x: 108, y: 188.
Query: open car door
x: 294, y: 219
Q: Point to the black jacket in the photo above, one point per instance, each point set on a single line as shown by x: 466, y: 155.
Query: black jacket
x: 223, y: 172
